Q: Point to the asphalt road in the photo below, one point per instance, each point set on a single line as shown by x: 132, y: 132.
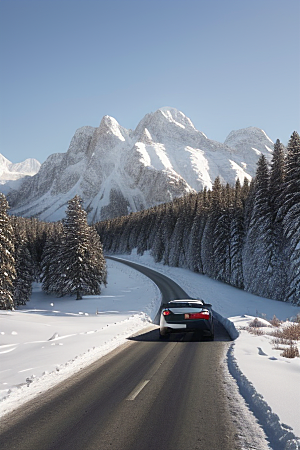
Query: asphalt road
x: 145, y: 395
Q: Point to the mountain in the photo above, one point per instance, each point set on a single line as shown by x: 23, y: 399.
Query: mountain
x: 11, y: 174
x: 117, y: 171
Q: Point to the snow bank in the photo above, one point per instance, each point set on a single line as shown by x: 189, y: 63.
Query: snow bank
x: 228, y: 324
x: 280, y: 435
x: 50, y: 339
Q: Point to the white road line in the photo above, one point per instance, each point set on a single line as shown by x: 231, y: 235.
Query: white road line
x: 137, y: 390
x: 152, y: 371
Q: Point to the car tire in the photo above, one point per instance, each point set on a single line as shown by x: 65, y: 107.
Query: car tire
x: 164, y: 336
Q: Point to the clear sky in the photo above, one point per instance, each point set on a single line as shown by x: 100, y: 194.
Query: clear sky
x: 227, y: 64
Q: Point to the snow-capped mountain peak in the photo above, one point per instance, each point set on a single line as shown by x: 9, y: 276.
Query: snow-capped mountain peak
x: 110, y: 125
x: 169, y: 123
x: 117, y: 171
x: 29, y: 167
x: 238, y: 138
x: 4, y: 163
x: 11, y: 174
x: 177, y: 117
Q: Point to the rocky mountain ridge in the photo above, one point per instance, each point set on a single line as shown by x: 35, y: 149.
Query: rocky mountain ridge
x: 117, y: 171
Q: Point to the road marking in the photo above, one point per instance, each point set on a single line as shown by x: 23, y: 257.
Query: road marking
x: 168, y: 349
x: 137, y: 390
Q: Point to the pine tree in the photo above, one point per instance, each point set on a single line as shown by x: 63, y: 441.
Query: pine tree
x: 190, y: 211
x: 221, y: 237
x: 209, y: 237
x: 257, y: 251
x: 277, y: 176
x: 168, y: 225
x: 117, y: 226
x: 176, y: 239
x: 142, y: 231
x: 193, y: 241
x: 154, y: 226
x: 279, y: 260
x: 7, y: 261
x: 24, y: 264
x: 157, y: 247
x: 123, y: 245
x: 96, y: 262
x: 237, y: 238
x: 83, y: 264
x: 50, y: 264
x: 290, y: 213
x: 196, y: 236
x: 79, y: 266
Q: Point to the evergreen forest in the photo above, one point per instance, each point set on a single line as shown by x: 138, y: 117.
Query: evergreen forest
x: 66, y: 257
x: 247, y: 235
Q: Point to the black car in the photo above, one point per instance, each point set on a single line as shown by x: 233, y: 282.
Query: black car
x: 186, y: 315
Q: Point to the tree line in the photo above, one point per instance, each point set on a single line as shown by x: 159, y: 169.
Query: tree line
x: 67, y: 256
x: 245, y: 235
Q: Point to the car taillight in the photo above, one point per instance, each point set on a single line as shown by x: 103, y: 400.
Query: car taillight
x: 166, y: 312
x: 199, y: 315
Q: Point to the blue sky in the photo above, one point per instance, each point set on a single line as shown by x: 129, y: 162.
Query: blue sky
x: 227, y: 64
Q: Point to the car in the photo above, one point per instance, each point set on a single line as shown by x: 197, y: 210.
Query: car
x: 186, y: 315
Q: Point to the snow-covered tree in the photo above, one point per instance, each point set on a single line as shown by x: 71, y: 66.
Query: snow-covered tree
x: 169, y: 222
x: 7, y: 260
x: 277, y: 176
x: 222, y: 237
x: 176, y: 239
x: 157, y: 246
x: 209, y: 237
x: 237, y: 238
x: 154, y: 225
x: 95, y: 262
x: 290, y: 213
x: 257, y: 252
x: 37, y: 232
x: 191, y: 202
x: 158, y: 249
x: 279, y: 261
x: 194, y: 258
x: 51, y: 275
x: 24, y: 264
x: 79, y: 266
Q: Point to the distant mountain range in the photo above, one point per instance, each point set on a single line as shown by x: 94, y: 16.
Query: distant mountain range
x: 117, y: 171
x: 12, y: 175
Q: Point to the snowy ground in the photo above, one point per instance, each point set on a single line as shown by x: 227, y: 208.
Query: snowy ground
x: 49, y: 339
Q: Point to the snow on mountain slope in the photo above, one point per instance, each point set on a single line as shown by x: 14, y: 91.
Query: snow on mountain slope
x: 259, y: 143
x: 28, y: 167
x: 117, y: 171
x: 12, y: 174
x: 11, y: 171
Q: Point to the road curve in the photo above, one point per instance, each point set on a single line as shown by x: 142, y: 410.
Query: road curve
x: 145, y: 395
x: 168, y: 288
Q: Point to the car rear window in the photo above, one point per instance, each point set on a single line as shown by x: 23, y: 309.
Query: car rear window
x: 185, y: 305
